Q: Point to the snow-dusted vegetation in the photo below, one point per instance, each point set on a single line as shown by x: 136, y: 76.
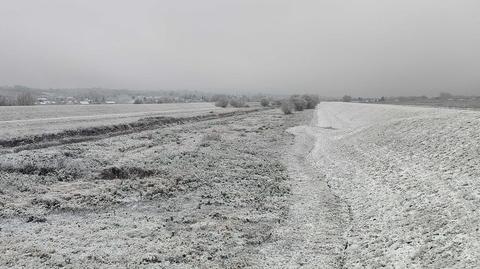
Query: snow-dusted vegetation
x: 203, y: 193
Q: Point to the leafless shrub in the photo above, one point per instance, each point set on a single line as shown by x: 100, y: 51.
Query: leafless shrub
x: 237, y: 102
x: 264, y: 102
x: 298, y: 102
x: 312, y: 100
x: 222, y: 102
x: 287, y: 107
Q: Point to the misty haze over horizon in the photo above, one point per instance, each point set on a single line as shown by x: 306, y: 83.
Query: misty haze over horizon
x: 361, y: 48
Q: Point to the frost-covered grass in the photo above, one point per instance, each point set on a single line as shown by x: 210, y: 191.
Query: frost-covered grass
x: 196, y: 194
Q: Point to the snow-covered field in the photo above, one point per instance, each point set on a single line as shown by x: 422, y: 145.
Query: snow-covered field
x: 344, y: 186
x: 406, y: 180
x: 197, y: 194
x: 33, y: 120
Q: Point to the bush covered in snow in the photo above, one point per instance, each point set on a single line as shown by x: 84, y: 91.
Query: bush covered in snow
x: 264, y: 102
x: 299, y: 103
x: 222, y: 102
x: 287, y: 107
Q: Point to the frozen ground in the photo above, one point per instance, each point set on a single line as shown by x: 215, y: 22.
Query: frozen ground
x: 204, y: 194
x: 351, y: 186
x: 34, y: 120
x: 399, y: 184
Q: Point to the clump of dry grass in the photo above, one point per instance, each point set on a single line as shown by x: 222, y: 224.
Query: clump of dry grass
x: 125, y: 172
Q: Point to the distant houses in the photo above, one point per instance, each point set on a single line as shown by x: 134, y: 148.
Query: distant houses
x: 43, y: 101
x: 22, y: 95
x: 84, y: 100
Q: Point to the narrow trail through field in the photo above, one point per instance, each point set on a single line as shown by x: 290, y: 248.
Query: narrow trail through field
x: 312, y: 236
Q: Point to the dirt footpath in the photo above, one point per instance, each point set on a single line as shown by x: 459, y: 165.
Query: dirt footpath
x: 312, y: 235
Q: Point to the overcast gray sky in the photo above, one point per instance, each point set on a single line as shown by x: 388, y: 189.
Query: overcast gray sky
x: 331, y: 47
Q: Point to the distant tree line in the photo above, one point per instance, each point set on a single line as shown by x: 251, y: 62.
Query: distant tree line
x: 4, y: 101
x: 22, y: 99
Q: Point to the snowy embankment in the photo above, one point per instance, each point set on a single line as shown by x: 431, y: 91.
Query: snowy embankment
x: 410, y: 177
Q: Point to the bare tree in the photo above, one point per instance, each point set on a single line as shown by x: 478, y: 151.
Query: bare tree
x: 25, y: 99
x: 4, y: 101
